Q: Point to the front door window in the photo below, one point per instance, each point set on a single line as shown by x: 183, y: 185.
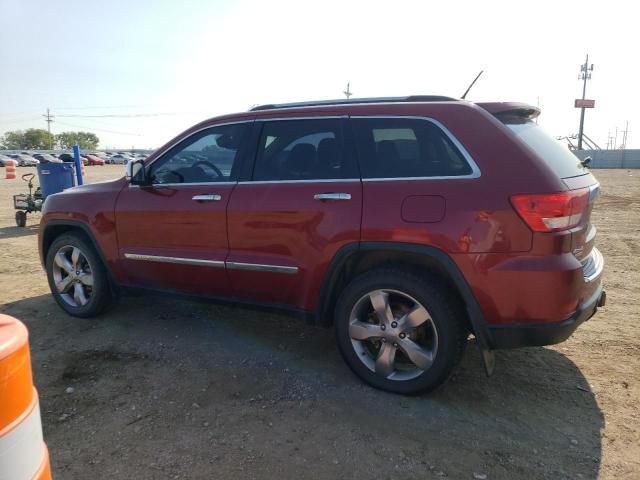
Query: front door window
x: 206, y: 157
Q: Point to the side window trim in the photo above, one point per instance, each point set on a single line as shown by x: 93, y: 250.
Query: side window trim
x: 351, y: 146
x: 242, y: 154
x: 257, y: 132
x: 475, y: 170
x: 250, y: 152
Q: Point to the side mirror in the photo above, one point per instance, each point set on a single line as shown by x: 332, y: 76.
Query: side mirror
x: 136, y: 173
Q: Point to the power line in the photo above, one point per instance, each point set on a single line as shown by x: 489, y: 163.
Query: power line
x: 100, y: 129
x: 103, y: 123
x: 20, y: 119
x: 103, y: 115
x: 102, y: 107
x: 99, y: 107
x: 126, y: 115
x: 21, y: 112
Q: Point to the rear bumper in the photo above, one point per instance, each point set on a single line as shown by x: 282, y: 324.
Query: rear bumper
x: 513, y: 336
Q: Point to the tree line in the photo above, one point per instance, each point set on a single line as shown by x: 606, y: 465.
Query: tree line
x: 38, y: 139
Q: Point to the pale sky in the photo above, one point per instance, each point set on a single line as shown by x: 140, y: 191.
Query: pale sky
x: 184, y: 61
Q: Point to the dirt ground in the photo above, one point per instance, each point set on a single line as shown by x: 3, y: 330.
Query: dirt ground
x: 166, y: 388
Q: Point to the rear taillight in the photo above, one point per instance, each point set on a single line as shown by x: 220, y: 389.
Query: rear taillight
x: 551, y: 212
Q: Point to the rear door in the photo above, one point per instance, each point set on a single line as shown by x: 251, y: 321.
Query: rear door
x: 301, y: 203
x: 172, y: 234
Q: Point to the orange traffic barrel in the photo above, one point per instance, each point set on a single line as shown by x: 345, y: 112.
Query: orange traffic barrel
x: 10, y: 169
x: 23, y: 453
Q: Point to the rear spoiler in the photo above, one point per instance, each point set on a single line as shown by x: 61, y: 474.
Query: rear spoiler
x: 521, y: 111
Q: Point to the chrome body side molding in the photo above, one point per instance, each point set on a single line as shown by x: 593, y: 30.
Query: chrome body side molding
x: 258, y: 267
x: 178, y: 260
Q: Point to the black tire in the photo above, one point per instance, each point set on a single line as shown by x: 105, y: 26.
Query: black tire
x: 101, y: 296
x: 448, y: 321
x: 21, y: 218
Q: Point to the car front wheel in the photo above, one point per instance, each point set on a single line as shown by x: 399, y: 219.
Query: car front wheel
x: 400, y: 332
x: 77, y: 277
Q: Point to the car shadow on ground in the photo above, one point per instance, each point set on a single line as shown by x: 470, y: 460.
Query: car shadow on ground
x: 283, y: 382
x: 14, y: 232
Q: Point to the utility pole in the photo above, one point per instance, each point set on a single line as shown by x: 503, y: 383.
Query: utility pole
x: 625, y: 135
x: 347, y: 92
x: 585, y: 74
x: 49, y: 118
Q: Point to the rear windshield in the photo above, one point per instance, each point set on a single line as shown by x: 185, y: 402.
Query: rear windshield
x: 556, y: 155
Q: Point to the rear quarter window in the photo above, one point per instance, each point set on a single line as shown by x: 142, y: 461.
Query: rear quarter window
x: 407, y: 148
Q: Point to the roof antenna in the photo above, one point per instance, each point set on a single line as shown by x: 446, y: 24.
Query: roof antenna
x: 472, y: 84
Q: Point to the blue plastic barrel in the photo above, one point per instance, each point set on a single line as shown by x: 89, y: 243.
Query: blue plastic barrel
x: 55, y: 177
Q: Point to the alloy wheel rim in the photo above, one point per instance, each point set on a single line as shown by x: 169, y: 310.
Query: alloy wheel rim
x: 393, y: 334
x: 72, y: 276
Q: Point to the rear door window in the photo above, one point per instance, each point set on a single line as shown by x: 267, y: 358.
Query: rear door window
x: 557, y: 156
x: 310, y: 149
x: 406, y: 148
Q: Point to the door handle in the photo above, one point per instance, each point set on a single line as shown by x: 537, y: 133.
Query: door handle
x: 207, y: 198
x: 323, y: 197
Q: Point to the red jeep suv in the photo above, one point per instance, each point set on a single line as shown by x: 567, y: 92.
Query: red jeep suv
x: 405, y: 223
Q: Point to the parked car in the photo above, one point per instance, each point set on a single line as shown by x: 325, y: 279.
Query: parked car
x: 46, y: 158
x: 4, y: 158
x: 68, y: 157
x: 24, y: 160
x: 93, y: 160
x: 407, y: 224
x: 101, y: 155
x: 119, y: 159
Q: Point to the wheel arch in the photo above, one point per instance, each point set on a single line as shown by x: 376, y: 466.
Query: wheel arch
x: 55, y: 228
x: 356, y: 258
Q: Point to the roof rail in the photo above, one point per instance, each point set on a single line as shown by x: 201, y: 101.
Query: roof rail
x: 317, y: 103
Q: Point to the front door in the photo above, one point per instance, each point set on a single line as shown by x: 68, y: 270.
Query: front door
x: 302, y: 203
x: 172, y: 234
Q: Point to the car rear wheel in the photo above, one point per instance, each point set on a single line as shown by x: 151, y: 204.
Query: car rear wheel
x: 400, y: 332
x: 77, y: 277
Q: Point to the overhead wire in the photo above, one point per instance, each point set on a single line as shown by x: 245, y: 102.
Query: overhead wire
x: 99, y: 129
x: 100, y: 107
x: 125, y: 115
x: 19, y: 119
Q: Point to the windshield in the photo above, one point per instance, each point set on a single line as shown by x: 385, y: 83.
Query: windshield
x: 557, y: 156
